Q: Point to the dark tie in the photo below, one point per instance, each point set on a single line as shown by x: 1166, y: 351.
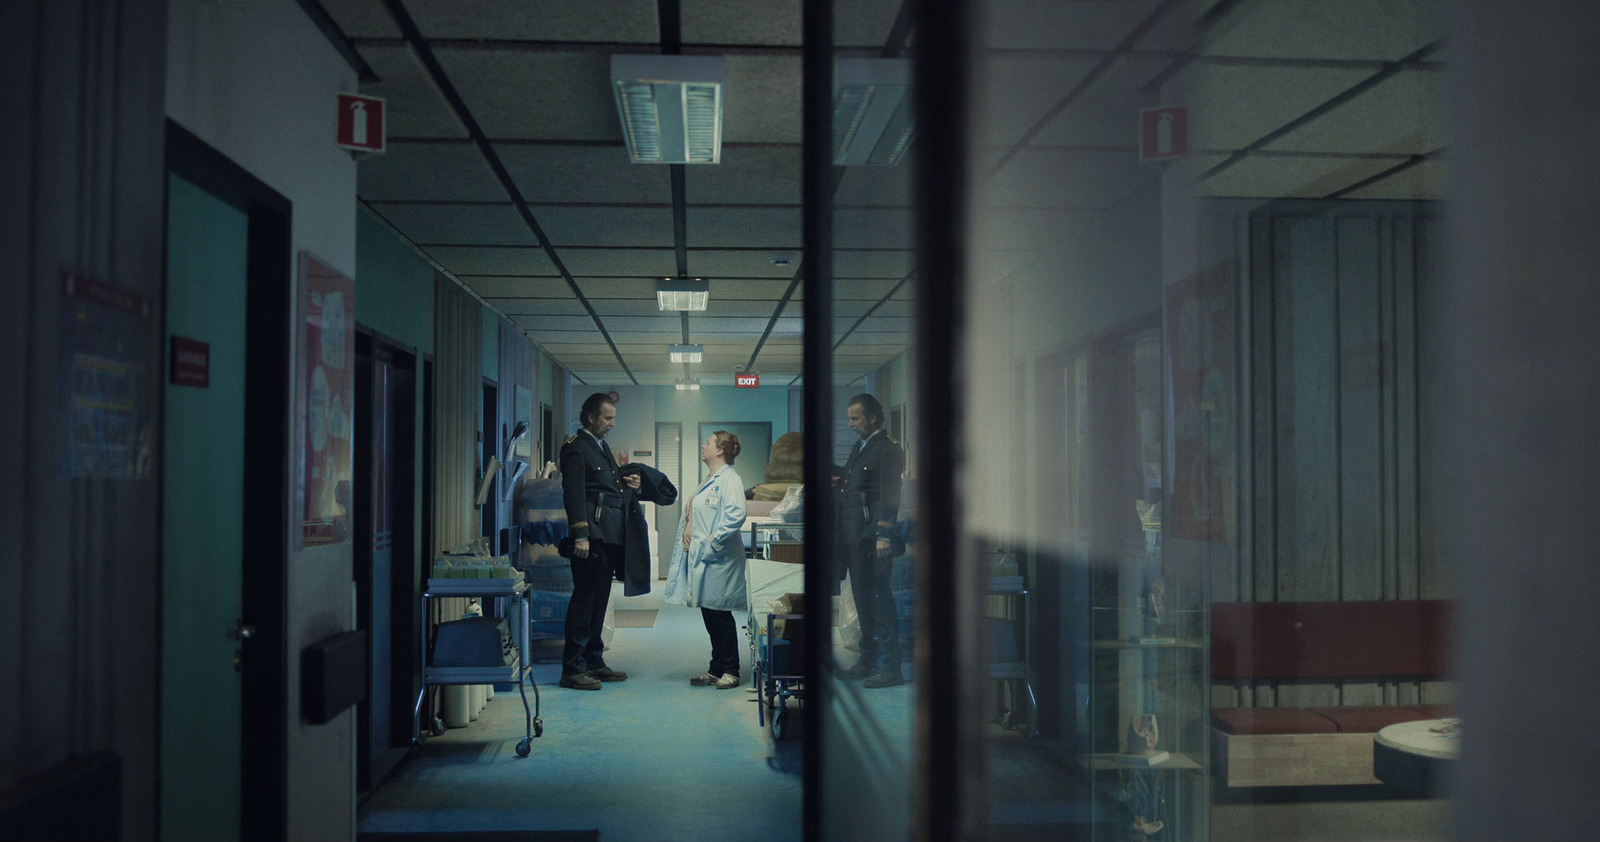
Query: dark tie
x: 606, y: 448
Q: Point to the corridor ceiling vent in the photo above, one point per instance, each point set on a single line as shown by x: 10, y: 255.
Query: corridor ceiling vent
x: 873, y: 121
x: 682, y: 293
x: 670, y: 107
x: 689, y: 384
x: 687, y: 353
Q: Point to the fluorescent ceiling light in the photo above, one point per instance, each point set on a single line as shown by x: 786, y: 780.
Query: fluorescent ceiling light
x: 689, y: 384
x: 682, y: 293
x: 686, y: 353
x: 670, y: 106
x: 874, y: 120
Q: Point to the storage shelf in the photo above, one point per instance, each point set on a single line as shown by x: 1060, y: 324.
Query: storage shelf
x: 472, y: 675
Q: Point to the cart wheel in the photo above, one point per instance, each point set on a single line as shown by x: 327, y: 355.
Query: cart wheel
x: 523, y: 747
x: 437, y: 728
x: 538, y: 727
x: 780, y: 723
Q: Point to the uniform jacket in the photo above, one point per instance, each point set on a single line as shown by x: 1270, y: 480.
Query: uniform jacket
x: 869, y: 493
x: 591, y: 490
x: 711, y: 573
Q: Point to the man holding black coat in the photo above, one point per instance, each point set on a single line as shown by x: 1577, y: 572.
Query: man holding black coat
x: 592, y: 489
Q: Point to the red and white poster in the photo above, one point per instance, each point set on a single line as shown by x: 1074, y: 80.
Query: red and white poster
x: 326, y: 403
x: 1201, y: 342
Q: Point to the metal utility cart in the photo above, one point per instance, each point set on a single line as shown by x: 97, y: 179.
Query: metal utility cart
x: 778, y: 676
x: 776, y: 550
x: 492, y: 664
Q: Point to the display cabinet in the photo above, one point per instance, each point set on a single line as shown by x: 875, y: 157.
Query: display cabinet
x: 1149, y: 703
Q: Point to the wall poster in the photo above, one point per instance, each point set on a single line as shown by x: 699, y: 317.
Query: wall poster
x: 325, y: 403
x: 1202, y: 340
x: 102, y: 384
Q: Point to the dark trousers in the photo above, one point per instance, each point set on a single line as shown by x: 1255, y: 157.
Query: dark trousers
x: 586, y: 612
x: 880, y: 623
x: 724, y: 641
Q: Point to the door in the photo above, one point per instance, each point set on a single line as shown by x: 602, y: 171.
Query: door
x: 203, y: 520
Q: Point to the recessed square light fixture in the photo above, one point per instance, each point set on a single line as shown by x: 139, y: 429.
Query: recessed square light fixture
x: 874, y: 117
x: 689, y: 384
x: 670, y: 107
x: 682, y: 293
x: 686, y: 353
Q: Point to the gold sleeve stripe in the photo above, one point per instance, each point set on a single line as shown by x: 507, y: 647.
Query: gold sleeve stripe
x: 884, y: 523
x: 579, y: 525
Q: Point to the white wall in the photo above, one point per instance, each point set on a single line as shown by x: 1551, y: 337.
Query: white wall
x: 258, y: 81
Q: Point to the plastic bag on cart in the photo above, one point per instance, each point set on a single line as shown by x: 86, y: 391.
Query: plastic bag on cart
x: 791, y: 509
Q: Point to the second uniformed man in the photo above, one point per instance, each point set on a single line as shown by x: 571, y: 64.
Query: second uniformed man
x: 869, y: 501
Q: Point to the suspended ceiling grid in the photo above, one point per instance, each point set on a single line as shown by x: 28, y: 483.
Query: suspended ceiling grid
x: 501, y: 111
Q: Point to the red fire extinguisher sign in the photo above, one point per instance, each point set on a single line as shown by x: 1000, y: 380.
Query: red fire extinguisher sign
x: 361, y: 123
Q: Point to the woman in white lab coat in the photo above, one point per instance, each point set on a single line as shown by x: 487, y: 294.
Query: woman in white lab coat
x: 707, y: 568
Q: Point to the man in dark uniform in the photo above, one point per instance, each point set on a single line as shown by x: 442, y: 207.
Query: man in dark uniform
x: 869, y: 501
x: 591, y: 490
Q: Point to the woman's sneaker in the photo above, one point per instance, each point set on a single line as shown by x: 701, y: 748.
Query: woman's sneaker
x: 705, y: 679
x: 728, y: 681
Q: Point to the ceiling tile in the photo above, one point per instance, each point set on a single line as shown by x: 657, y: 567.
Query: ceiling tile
x: 1055, y: 177
x: 606, y: 226
x: 362, y: 18
x: 627, y: 21
x: 538, y: 306
x: 459, y: 224
x: 1015, y: 92
x: 757, y: 289
x: 1380, y: 30
x: 444, y: 172
x: 1423, y: 181
x: 1080, y: 25
x: 569, y: 323
x: 1107, y: 113
x: 1288, y: 176
x: 413, y: 107
x: 518, y: 287
x: 1403, y: 114
x: 750, y: 175
x: 875, y: 186
x: 649, y: 263
x: 642, y: 289
x: 479, y: 260
x: 608, y: 307
x: 731, y: 22
x: 721, y: 306
x: 864, y: 23
x: 872, y: 264
x: 541, y: 94
x: 555, y: 173
x: 874, y: 228
x: 778, y: 227
x: 737, y: 264
x: 868, y: 289
x: 1235, y: 106
x: 761, y: 99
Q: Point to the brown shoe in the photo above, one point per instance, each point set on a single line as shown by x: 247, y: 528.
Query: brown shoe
x: 580, y: 681
x: 883, y: 678
x: 608, y: 674
x: 857, y: 672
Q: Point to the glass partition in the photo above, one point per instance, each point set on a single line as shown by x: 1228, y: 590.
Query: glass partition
x: 1199, y: 235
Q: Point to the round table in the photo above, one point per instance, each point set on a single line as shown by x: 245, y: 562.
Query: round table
x: 1418, y: 756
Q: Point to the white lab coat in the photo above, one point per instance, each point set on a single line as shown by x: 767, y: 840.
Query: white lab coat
x: 711, y: 573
